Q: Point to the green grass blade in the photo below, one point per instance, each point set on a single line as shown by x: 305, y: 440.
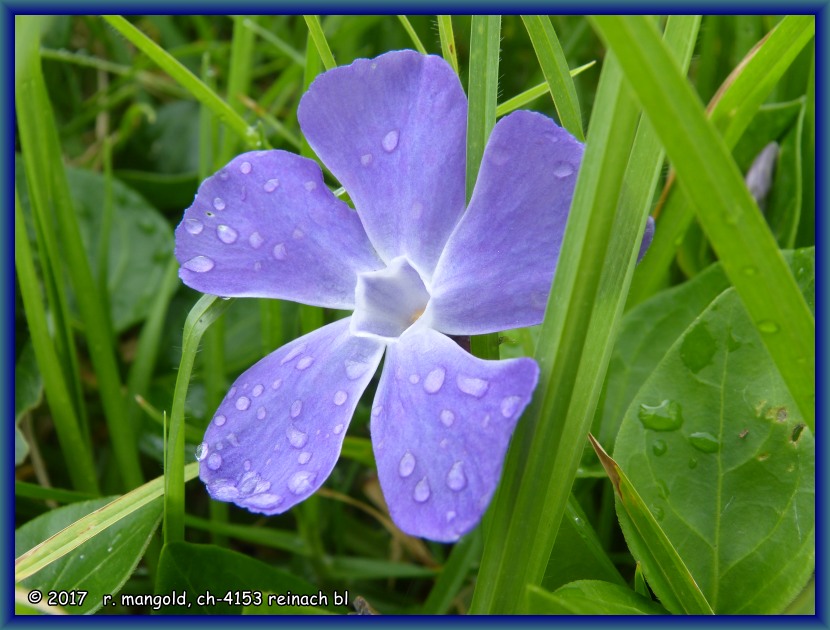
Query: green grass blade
x: 206, y: 311
x: 186, y: 79
x: 90, y: 526
x: 533, y: 93
x: 59, y: 495
x: 265, y: 536
x: 463, y: 556
x: 38, y: 133
x: 81, y: 468
x: 727, y: 212
x: 319, y: 39
x: 731, y: 110
x: 277, y: 42
x: 555, y: 68
x: 447, y: 41
x: 419, y: 46
x: 652, y: 541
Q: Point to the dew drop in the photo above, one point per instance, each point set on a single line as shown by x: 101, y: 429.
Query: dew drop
x: 704, y: 442
x: 264, y: 501
x: 309, y: 185
x: 227, y: 234
x: 293, y: 354
x: 296, y: 408
x: 659, y: 447
x: 390, y: 141
x: 301, y: 481
x: 279, y: 251
x: 261, y: 413
x: 376, y: 410
x: 257, y: 390
x: 214, y: 461
x: 256, y: 240
x: 232, y: 392
x: 296, y: 438
x: 422, y: 491
x: 414, y: 378
x: 768, y: 327
x: 199, y: 264
x: 201, y: 451
x: 692, y: 463
x: 406, y: 465
x: 434, y: 380
x: 271, y: 185
x: 248, y: 482
x: 563, y: 169
x: 658, y: 512
x: 276, y: 384
x: 340, y: 397
x: 447, y: 417
x: 193, y: 226
x: 297, y: 234
x: 219, y: 420
x: 242, y: 403
x: 303, y: 363
x: 225, y: 492
x: 509, y: 406
x: 366, y: 159
x: 219, y: 203
x: 245, y: 168
x: 231, y: 438
x: 663, y: 417
x: 471, y: 385
x: 247, y: 464
x: 456, y: 480
x: 304, y: 457
x: 338, y: 429
x: 355, y: 369
x: 450, y: 516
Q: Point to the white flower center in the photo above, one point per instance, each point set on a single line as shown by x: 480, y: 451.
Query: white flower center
x: 389, y: 301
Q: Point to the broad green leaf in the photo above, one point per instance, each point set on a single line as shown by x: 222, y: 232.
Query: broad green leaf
x: 590, y: 597
x: 140, y: 244
x: 207, y: 568
x: 28, y: 392
x: 720, y: 454
x: 666, y: 572
x: 102, y: 564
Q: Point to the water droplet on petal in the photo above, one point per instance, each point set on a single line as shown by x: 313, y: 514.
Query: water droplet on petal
x: 296, y: 438
x: 303, y: 363
x: 242, y: 403
x: 309, y: 185
x: 225, y: 491
x: 407, y: 464
x: 366, y: 159
x: 376, y: 410
x: 447, y: 417
x: 227, y: 234
x: 219, y: 203
x: 451, y: 516
x: 338, y: 429
x: 293, y: 354
x: 509, y: 406
x: 219, y: 420
x: 193, y: 226
x: 456, y: 480
x: 271, y: 185
x: 276, y: 384
x: 304, y: 457
x: 340, y: 397
x: 390, y: 141
x: 231, y: 438
x: 256, y: 240
x: 201, y: 451
x: 245, y: 168
x: 199, y: 264
x: 296, y: 408
x: 355, y: 369
x: 248, y: 482
x: 264, y: 501
x: 471, y: 385
x: 422, y: 491
x: 279, y: 251
x: 301, y: 481
x: 214, y: 461
x: 261, y: 413
x: 434, y: 380
x: 257, y: 390
x: 247, y: 464
x: 232, y: 392
x: 297, y: 234
x: 414, y: 378
x: 563, y: 169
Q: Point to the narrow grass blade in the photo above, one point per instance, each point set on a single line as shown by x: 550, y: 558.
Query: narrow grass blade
x: 206, y: 311
x: 90, y: 526
x: 59, y: 495
x: 73, y: 444
x: 727, y: 212
x: 447, y: 41
x: 668, y: 567
x: 265, y: 536
x: 412, y: 34
x: 535, y: 92
x: 319, y: 38
x: 730, y: 110
x: 555, y: 68
x: 463, y: 556
x: 186, y: 79
x: 277, y: 42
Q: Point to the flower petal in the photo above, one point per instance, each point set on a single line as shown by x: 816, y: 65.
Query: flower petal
x: 392, y: 130
x: 278, y: 433
x: 441, y: 423
x: 267, y: 226
x: 498, y: 265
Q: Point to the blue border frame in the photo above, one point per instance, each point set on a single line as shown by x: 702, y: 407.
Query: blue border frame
x: 820, y: 9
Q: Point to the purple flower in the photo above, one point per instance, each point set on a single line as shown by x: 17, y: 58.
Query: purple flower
x: 413, y: 264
